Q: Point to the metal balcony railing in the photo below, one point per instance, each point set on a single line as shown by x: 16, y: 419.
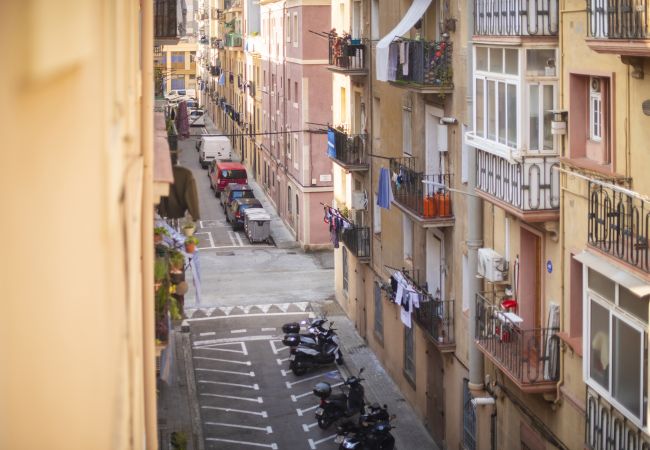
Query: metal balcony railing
x: 423, y: 195
x: 530, y: 185
x: 425, y: 62
x: 530, y: 357
x: 347, y: 54
x: 233, y: 40
x: 619, y: 225
x: 350, y: 149
x: 618, y: 19
x: 516, y: 18
x: 437, y: 318
x: 357, y: 240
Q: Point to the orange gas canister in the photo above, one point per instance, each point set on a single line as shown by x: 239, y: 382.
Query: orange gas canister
x: 429, y: 206
x: 443, y: 203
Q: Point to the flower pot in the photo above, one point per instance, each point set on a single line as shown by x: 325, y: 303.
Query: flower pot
x: 189, y: 231
x: 157, y: 238
x: 176, y: 277
x: 190, y: 247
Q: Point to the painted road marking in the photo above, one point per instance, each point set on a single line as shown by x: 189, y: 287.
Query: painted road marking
x: 210, y: 342
x: 243, y: 363
x: 255, y: 386
x: 209, y: 236
x: 238, y: 331
x: 291, y: 383
x: 241, y: 243
x: 300, y: 412
x: 209, y: 333
x: 247, y: 399
x: 296, y: 397
x: 313, y: 444
x: 268, y: 430
x: 232, y: 239
x: 255, y: 444
x: 284, y: 372
x: 280, y: 361
x: 243, y: 411
x: 198, y: 319
x: 275, y: 349
x: 214, y: 346
x: 269, y: 329
x: 306, y: 427
x: 230, y: 247
x: 246, y: 374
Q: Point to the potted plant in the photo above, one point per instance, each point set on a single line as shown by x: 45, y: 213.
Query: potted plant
x: 189, y: 228
x: 190, y: 244
x: 158, y: 234
x: 159, y: 272
x: 176, y: 265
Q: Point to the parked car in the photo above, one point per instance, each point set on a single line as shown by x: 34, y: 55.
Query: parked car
x: 235, y: 213
x: 233, y: 191
x: 223, y: 172
x: 196, y: 118
x: 214, y: 148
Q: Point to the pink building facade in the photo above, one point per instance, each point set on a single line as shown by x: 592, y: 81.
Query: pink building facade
x: 296, y: 106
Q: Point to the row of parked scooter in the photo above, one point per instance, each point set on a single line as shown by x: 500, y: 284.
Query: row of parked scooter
x: 319, y: 345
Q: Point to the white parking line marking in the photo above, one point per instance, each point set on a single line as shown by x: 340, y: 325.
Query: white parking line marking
x: 232, y: 239
x: 247, y: 399
x: 241, y: 243
x: 268, y: 329
x: 243, y: 363
x: 209, y: 236
x: 313, y: 444
x: 275, y: 349
x: 237, y: 331
x: 268, y: 430
x: 243, y: 411
x: 306, y: 427
x: 209, y: 333
x: 210, y: 342
x: 300, y: 412
x: 223, y: 247
x: 255, y: 386
x: 285, y: 372
x: 217, y: 346
x: 280, y: 361
x: 255, y: 444
x: 246, y: 374
x: 291, y: 383
x: 198, y: 319
x: 296, y: 397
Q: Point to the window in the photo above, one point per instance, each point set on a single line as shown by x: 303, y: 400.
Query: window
x: 295, y: 92
x: 344, y: 106
x: 469, y: 418
x: 295, y: 151
x: 289, y: 146
x: 344, y: 268
x: 374, y: 22
x: 289, y: 208
x: 376, y: 216
x: 540, y: 106
x: 407, y: 230
x: 575, y: 306
x: 297, y: 206
x: 616, y: 351
x: 295, y: 29
x: 595, y: 111
x: 406, y: 131
x: 409, y: 354
x: 379, y: 312
x: 287, y: 25
x: 376, y: 123
x: 289, y: 89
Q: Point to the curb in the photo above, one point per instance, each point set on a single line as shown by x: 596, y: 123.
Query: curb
x: 195, y: 413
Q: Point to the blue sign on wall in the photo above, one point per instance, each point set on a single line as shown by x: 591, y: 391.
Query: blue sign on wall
x: 549, y: 266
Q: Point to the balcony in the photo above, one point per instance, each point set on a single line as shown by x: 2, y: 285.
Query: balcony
x: 357, y: 240
x: 233, y: 40
x: 436, y: 317
x: 515, y: 18
x: 528, y: 189
x: 529, y: 357
x: 426, y: 68
x: 619, y: 27
x: 347, y: 56
x: 348, y: 150
x: 423, y: 197
x: 619, y: 225
x: 165, y: 22
x: 606, y: 428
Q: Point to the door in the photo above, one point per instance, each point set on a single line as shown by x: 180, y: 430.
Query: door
x: 356, y: 19
x: 360, y: 299
x: 436, y: 145
x: 434, y: 264
x: 435, y: 395
x: 356, y: 116
x: 529, y: 280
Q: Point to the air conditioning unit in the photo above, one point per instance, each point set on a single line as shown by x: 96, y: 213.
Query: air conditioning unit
x: 359, y: 200
x: 491, y: 266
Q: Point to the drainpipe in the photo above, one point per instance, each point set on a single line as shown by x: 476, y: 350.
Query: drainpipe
x: 475, y: 225
x: 146, y: 142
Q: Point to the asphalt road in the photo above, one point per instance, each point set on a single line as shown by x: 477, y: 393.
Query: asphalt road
x: 247, y: 395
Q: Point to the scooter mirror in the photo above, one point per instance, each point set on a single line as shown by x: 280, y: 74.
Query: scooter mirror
x: 303, y: 322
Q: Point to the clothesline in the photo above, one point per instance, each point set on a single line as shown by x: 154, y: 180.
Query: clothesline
x: 337, y: 213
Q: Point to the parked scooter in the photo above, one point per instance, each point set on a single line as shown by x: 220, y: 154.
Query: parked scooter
x: 347, y: 404
x: 312, y: 337
x: 305, y: 357
x: 375, y: 437
x: 374, y: 414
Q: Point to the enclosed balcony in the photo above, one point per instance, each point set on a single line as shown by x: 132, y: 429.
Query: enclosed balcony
x: 421, y: 66
x: 530, y: 357
x: 357, y: 240
x: 619, y: 27
x: 516, y: 18
x: 436, y: 317
x: 165, y: 22
x: 422, y: 196
x: 233, y: 40
x: 347, y: 55
x: 349, y: 151
x: 619, y: 224
x: 528, y: 189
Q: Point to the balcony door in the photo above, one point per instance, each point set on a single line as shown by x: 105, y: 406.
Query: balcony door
x: 529, y: 283
x: 434, y: 259
x: 436, y: 146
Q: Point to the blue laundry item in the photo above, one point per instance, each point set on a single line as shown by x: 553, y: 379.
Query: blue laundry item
x: 384, y: 191
x: 222, y: 79
x: 331, y: 144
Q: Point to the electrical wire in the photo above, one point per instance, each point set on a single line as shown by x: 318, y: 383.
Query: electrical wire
x: 264, y: 134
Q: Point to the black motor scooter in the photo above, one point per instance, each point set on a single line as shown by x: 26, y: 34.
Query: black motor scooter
x: 312, y: 337
x: 347, y: 404
x: 375, y: 437
x: 349, y: 428
x: 305, y: 357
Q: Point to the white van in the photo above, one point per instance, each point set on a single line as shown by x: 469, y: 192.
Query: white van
x: 213, y: 147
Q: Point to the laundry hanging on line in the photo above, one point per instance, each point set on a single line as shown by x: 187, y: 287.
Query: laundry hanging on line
x: 407, y: 295
x: 384, y: 189
x: 337, y: 224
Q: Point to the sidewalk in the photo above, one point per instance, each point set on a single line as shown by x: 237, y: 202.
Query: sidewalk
x: 380, y: 388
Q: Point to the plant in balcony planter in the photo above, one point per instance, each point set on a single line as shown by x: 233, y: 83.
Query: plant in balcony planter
x: 190, y: 244
x: 189, y: 228
x: 165, y: 304
x: 158, y: 234
x: 176, y: 265
x: 160, y: 269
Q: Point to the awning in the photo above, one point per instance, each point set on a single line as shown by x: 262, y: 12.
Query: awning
x: 415, y: 13
x: 636, y: 285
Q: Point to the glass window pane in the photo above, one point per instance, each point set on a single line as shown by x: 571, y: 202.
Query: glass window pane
x: 601, y: 284
x: 633, y: 304
x: 540, y: 62
x: 491, y: 119
x: 546, y: 111
x: 479, y: 105
x: 533, y: 124
x: 512, y: 115
x: 626, y: 366
x: 599, y: 348
x: 512, y: 63
x: 502, y: 112
x: 481, y: 58
x: 496, y: 60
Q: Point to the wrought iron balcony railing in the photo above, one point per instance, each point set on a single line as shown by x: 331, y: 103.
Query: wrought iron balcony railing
x: 529, y: 357
x: 618, y: 19
x: 437, y: 318
x: 424, y: 196
x: 357, y: 240
x: 347, y: 55
x: 516, y: 18
x: 530, y: 188
x: 619, y: 224
x: 350, y: 150
x: 233, y: 40
x: 422, y: 63
x: 606, y: 428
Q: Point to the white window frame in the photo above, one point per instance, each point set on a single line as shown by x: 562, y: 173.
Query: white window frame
x: 287, y: 21
x: 295, y: 29
x: 540, y: 117
x: 345, y: 263
x: 376, y: 216
x: 294, y: 148
x: 407, y: 131
x: 595, y: 115
x: 289, y: 143
x: 407, y: 243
